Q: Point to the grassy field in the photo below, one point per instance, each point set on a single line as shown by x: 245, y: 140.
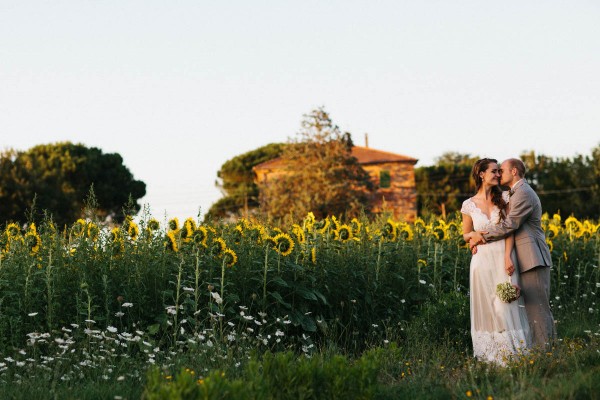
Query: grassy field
x: 316, y: 309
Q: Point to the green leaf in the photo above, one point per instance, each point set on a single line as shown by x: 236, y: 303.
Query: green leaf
x: 153, y: 329
x: 279, y: 282
x: 280, y: 300
x: 307, y: 294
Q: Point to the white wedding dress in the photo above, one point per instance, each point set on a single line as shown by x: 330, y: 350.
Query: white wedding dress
x: 498, y: 330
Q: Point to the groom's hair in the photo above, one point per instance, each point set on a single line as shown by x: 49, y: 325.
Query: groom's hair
x: 518, y: 164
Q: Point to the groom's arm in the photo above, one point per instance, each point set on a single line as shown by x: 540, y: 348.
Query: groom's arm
x: 520, y: 209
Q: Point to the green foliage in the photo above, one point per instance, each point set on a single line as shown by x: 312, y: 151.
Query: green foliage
x: 319, y: 174
x: 275, y: 376
x: 442, y: 187
x: 569, y: 186
x: 58, y: 176
x: 237, y: 182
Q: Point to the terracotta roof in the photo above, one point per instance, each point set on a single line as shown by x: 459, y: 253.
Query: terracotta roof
x: 364, y: 155
x: 367, y: 155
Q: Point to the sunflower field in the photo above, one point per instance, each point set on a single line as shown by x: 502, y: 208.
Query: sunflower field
x: 86, y: 302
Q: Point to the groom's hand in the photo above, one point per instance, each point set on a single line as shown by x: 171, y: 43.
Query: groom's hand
x: 477, y: 238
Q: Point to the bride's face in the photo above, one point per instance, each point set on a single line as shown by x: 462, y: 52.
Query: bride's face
x: 491, y: 176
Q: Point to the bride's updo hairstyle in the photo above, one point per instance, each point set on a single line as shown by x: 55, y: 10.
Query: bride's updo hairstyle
x: 482, y: 166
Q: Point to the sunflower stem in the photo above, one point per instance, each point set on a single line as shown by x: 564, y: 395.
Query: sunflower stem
x: 265, y: 275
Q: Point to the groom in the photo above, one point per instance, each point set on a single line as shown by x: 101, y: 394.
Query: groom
x: 533, y: 255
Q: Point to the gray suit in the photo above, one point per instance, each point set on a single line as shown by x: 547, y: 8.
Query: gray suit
x: 533, y: 256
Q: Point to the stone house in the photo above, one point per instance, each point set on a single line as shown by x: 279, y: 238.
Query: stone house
x: 392, y: 174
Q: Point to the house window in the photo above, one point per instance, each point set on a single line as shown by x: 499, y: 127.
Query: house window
x: 385, y: 178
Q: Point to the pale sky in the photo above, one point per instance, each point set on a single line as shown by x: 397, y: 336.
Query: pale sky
x: 179, y: 87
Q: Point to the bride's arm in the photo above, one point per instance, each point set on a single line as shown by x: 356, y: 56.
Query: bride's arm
x: 509, y: 243
x: 467, y: 227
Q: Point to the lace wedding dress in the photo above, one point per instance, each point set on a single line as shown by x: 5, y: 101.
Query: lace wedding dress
x: 498, y: 329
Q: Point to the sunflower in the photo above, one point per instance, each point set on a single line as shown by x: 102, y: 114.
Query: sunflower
x: 406, y: 233
x: 78, y: 228
x: 299, y: 233
x: 309, y: 220
x: 343, y: 233
x: 13, y: 230
x: 550, y: 244
x: 238, y: 233
x: 336, y: 223
x: 200, y: 236
x: 552, y: 231
x: 171, y: 242
x: 189, y: 226
x: 174, y: 224
x: 33, y: 242
x: 420, y: 225
x: 115, y: 235
x: 313, y: 255
x: 229, y: 257
x: 116, y: 240
x: 322, y: 225
x: 93, y: 231
x: 284, y: 244
x: 133, y: 230
x: 390, y: 230
x: 574, y: 227
x: 153, y: 225
x: 218, y: 246
x: 356, y: 226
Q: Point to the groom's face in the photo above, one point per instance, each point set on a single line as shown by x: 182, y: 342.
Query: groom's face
x: 506, y: 176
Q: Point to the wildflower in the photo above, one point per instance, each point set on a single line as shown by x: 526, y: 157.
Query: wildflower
x: 111, y: 329
x: 33, y: 314
x: 284, y: 244
x: 127, y: 305
x: 229, y: 257
x: 216, y: 297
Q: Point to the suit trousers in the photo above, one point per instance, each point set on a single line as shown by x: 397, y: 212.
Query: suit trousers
x: 535, y: 289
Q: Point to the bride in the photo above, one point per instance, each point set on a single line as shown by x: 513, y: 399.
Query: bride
x: 498, y: 329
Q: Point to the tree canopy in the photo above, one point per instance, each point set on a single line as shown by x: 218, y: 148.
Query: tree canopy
x: 236, y: 181
x: 568, y: 186
x: 59, y: 177
x: 442, y: 187
x: 319, y: 174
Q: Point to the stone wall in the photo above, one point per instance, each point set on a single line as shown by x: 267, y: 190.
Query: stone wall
x: 401, y: 197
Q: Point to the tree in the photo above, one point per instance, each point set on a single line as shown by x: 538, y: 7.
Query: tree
x: 236, y: 181
x: 319, y: 174
x: 443, y: 186
x: 569, y: 186
x: 59, y: 177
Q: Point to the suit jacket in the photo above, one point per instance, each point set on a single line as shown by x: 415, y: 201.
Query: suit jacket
x: 524, y: 219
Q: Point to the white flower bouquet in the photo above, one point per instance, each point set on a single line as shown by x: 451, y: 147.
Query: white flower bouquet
x: 508, y: 292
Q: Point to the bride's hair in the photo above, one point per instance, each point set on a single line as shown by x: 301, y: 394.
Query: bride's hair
x: 482, y: 166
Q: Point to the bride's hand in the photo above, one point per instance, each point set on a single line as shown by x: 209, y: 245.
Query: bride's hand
x: 509, y: 267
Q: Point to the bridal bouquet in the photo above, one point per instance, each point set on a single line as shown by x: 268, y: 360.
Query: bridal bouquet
x: 507, y: 292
